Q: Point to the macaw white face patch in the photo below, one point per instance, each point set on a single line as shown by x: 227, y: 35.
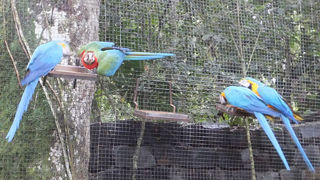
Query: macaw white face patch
x: 244, y: 83
x: 65, y: 49
x: 89, y: 57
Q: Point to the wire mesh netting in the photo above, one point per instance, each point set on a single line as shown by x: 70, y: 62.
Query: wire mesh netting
x: 193, y: 151
x: 216, y: 44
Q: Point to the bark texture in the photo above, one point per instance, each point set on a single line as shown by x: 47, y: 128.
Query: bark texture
x: 75, y: 21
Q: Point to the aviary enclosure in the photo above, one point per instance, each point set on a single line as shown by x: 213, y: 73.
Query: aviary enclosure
x: 216, y: 44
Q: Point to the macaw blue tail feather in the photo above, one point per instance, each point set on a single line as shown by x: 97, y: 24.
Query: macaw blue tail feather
x: 286, y: 122
x: 145, y: 55
x: 265, y: 126
x: 22, y: 107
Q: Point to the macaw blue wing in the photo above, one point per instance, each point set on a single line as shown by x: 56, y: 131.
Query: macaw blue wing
x: 43, y: 60
x: 273, y: 98
x: 39, y: 51
x: 244, y: 98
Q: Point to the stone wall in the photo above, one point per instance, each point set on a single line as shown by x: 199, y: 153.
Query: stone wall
x: 197, y: 151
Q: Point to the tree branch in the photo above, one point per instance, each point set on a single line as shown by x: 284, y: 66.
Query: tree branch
x: 68, y: 144
x: 243, y: 63
x: 22, y: 40
x: 56, y: 120
x: 244, y: 72
x: 14, y: 63
x: 235, y: 43
x: 254, y: 49
x: 253, y: 171
x: 136, y: 155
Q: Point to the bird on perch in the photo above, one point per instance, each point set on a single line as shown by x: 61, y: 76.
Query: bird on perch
x: 107, y: 57
x: 43, y: 60
x: 276, y: 102
x: 245, y: 99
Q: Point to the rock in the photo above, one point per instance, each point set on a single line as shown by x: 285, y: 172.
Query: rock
x: 113, y: 173
x: 163, y: 154
x: 214, y: 125
x: 217, y: 174
x: 261, y: 141
x: 229, y: 159
x: 123, y: 157
x: 311, y: 131
x: 238, y: 174
x: 312, y: 152
x: 178, y: 174
x: 286, y: 175
x: 195, y: 157
x: 270, y: 175
x: 307, y: 175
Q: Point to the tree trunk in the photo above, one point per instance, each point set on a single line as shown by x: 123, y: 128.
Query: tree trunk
x: 75, y: 21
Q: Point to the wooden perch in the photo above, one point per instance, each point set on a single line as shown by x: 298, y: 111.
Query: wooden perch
x: 74, y: 72
x: 231, y: 110
x: 161, y: 115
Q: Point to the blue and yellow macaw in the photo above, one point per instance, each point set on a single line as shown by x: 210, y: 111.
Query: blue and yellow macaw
x: 245, y: 99
x: 276, y: 102
x: 107, y: 57
x: 43, y: 60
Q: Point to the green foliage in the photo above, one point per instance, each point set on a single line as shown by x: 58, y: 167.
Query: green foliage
x: 110, y: 104
x: 27, y: 155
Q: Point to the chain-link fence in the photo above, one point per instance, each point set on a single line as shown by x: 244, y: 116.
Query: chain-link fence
x: 216, y: 44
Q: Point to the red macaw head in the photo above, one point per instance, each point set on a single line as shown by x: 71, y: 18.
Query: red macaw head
x: 89, y: 60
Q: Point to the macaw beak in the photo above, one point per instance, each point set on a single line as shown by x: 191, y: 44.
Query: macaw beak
x: 222, y: 98
x: 244, y: 83
x: 82, y: 53
x: 89, y: 57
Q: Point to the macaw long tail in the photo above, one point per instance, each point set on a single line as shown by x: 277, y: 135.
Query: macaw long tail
x: 22, y: 107
x: 145, y: 55
x: 264, y: 124
x: 286, y: 121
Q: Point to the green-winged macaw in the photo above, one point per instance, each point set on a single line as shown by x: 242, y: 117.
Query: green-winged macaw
x: 43, y: 60
x: 276, y: 102
x: 245, y: 99
x: 107, y: 57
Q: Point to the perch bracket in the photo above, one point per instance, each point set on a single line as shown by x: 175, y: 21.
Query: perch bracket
x: 158, y: 115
